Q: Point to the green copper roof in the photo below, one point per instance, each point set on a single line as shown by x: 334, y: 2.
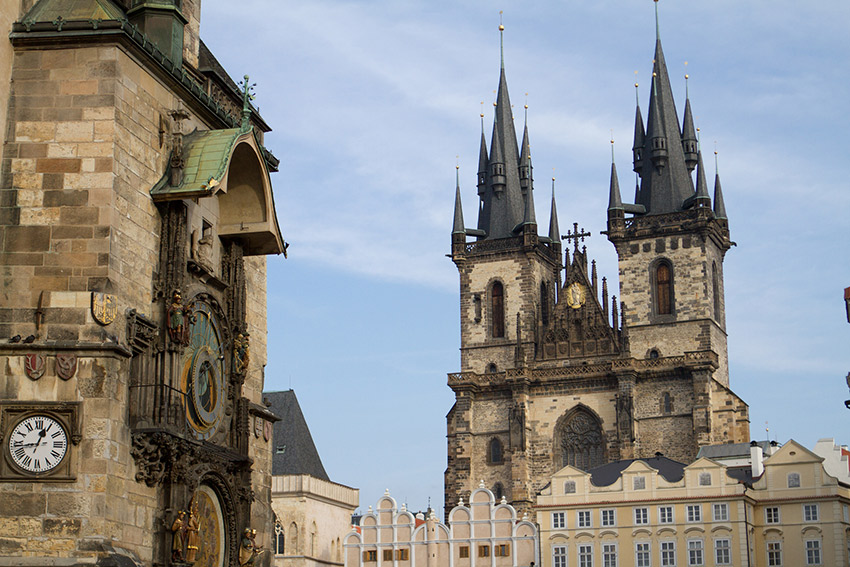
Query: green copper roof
x: 206, y: 155
x: 73, y: 10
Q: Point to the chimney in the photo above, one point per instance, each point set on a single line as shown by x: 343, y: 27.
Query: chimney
x: 756, y: 459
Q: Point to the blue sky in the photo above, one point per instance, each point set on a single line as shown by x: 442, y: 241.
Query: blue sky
x: 371, y: 102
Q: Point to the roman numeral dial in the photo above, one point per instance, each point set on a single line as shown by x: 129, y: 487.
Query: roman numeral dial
x: 38, y: 444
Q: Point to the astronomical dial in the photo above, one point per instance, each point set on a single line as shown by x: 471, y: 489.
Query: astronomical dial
x: 203, y: 372
x: 38, y: 444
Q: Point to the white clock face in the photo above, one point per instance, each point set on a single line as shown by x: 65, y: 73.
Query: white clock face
x: 38, y: 444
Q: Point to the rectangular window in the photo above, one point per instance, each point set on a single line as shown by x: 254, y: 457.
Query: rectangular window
x: 642, y: 555
x: 846, y: 514
x: 370, y: 556
x: 668, y: 554
x: 639, y: 483
x: 771, y: 515
x: 388, y: 555
x: 559, y: 556
x: 483, y: 551
x: 559, y: 520
x: 665, y: 514
x: 774, y: 554
x: 721, y: 512
x: 584, y: 519
x: 793, y: 480
x: 810, y: 512
x: 813, y: 552
x: 502, y: 550
x: 722, y: 552
x: 695, y: 553
x: 585, y: 555
x: 609, y: 555
x: 402, y: 554
x: 705, y: 479
x: 694, y: 513
x: 641, y: 516
x: 464, y: 551
x: 608, y: 518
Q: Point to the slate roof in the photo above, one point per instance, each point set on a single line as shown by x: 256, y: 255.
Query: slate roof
x: 729, y: 450
x: 671, y: 470
x: 293, y: 450
x: 73, y: 10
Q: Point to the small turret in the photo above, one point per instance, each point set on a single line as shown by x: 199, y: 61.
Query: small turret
x: 458, y: 226
x: 525, y: 180
x: 719, y: 205
x: 689, y: 135
x: 656, y: 135
x: 702, y: 198
x: 615, y: 202
x: 640, y: 137
x: 554, y: 230
x: 483, y: 163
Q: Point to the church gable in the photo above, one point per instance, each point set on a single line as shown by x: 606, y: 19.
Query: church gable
x: 580, y: 324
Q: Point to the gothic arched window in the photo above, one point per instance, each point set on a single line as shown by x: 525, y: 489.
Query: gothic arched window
x: 497, y: 309
x: 494, y: 451
x: 664, y: 289
x: 279, y: 539
x: 498, y: 492
x: 580, y: 441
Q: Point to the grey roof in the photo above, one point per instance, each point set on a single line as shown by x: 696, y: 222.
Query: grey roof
x: 719, y: 205
x: 554, y: 229
x: 671, y: 470
x: 294, y: 450
x: 457, y: 226
x: 615, y: 202
x: 689, y: 136
x: 663, y: 188
x: 702, y: 197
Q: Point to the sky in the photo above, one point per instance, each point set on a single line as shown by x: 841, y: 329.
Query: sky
x: 374, y: 103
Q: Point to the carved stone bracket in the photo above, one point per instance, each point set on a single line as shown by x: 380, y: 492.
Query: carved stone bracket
x: 141, y: 332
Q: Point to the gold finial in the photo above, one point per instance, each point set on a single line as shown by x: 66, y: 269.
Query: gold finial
x: 457, y: 160
x: 654, y: 74
x: 526, y: 101
x: 482, y: 109
x: 501, y: 27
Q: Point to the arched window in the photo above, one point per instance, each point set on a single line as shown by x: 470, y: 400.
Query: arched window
x: 580, y: 442
x: 663, y: 289
x: 279, y: 539
x: 497, y: 299
x: 498, y: 492
x: 544, y: 303
x: 494, y: 451
x: 492, y: 368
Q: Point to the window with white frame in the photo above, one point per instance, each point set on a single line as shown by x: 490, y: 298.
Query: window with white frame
x: 641, y: 516
x: 695, y: 553
x: 705, y: 479
x: 722, y: 552
x: 608, y: 518
x: 583, y: 519
x: 694, y: 512
x: 668, y: 553
x: 609, y: 555
x: 813, y: 555
x: 810, y: 512
x: 559, y: 556
x: 721, y: 512
x: 771, y: 515
x: 774, y: 554
x: 570, y: 487
x: 639, y: 483
x: 665, y: 514
x: 793, y: 480
x: 559, y: 520
x: 585, y: 555
x: 642, y: 554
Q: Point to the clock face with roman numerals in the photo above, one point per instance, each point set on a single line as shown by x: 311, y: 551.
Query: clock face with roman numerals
x: 38, y: 444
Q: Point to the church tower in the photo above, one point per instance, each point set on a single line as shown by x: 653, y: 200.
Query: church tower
x: 554, y: 370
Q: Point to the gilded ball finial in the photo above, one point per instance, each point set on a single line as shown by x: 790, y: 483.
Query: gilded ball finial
x: 501, y: 27
x: 636, y: 85
x: 686, y: 76
x: 653, y: 73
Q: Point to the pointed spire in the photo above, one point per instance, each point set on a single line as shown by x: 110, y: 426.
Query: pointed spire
x: 614, y: 317
x: 483, y: 162
x: 529, y: 217
x: 605, y: 298
x: 554, y: 230
x: 457, y: 226
x: 615, y: 202
x: 719, y: 205
x: 593, y: 279
x: 667, y: 183
x: 525, y: 158
x: 689, y: 134
x: 640, y: 137
x: 702, y: 198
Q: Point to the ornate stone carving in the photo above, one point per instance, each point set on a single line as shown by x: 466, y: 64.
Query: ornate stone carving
x: 35, y: 365
x: 66, y: 365
x: 233, y: 273
x: 141, y: 332
x: 172, y: 248
x: 104, y: 307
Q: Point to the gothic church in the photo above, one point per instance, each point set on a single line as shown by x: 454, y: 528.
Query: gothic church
x: 554, y: 372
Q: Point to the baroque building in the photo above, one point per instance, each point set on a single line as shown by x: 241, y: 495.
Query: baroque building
x: 135, y: 218
x: 553, y: 371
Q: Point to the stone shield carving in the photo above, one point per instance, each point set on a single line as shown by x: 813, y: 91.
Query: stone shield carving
x: 66, y: 366
x: 104, y: 307
x: 34, y: 365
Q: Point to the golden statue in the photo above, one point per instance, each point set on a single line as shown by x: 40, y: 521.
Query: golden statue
x: 192, y: 536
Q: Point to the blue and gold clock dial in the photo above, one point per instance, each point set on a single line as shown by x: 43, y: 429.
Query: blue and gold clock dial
x: 203, y: 372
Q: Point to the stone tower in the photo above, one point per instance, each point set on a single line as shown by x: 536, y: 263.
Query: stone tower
x: 135, y: 220
x: 554, y: 371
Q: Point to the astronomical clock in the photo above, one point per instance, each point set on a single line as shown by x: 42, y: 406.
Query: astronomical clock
x: 191, y: 416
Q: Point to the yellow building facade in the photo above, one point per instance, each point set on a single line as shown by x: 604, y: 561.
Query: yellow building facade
x: 657, y: 512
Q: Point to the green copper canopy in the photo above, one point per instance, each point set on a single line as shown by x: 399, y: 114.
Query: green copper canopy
x: 73, y: 10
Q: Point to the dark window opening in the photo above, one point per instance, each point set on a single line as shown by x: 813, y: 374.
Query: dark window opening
x: 498, y: 309
x: 663, y: 290
x: 495, y: 451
